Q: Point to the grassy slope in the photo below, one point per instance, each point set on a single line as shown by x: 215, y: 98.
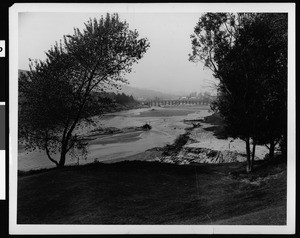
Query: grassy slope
x: 139, y: 192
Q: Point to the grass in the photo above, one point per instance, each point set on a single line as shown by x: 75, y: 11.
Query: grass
x: 139, y: 192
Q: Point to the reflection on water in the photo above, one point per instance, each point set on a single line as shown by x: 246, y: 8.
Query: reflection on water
x: 167, y: 124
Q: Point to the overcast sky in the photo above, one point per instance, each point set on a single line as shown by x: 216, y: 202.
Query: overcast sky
x: 165, y: 66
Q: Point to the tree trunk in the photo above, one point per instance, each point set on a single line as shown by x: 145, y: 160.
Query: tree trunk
x: 48, y: 154
x: 271, y: 150
x: 253, y: 156
x: 248, y: 151
x: 62, y: 160
x: 63, y: 153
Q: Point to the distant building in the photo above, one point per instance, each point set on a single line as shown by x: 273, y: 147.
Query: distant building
x: 193, y: 98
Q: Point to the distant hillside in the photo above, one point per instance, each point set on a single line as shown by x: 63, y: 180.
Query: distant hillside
x: 137, y: 93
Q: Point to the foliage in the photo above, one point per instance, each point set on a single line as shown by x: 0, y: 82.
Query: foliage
x: 124, y: 99
x: 57, y: 94
x: 113, y: 100
x: 248, y: 55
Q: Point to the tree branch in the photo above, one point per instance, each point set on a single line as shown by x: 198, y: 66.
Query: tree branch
x: 267, y: 146
x: 48, y: 154
x: 70, y: 147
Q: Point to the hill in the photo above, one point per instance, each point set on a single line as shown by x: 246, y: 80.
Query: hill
x: 137, y: 93
x: 140, y: 93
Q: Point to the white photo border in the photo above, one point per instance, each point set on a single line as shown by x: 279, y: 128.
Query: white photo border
x: 15, y: 228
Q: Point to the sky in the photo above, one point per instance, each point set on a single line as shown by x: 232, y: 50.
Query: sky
x: 165, y: 66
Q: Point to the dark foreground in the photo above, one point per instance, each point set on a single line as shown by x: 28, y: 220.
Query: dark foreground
x: 139, y: 192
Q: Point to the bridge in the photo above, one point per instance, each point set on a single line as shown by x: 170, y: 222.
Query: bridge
x: 176, y: 102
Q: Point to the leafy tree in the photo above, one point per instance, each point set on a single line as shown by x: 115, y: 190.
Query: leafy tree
x: 265, y: 55
x: 239, y: 49
x: 57, y: 94
x: 214, y: 44
x: 273, y: 73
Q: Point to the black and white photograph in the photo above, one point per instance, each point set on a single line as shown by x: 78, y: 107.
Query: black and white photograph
x: 152, y: 118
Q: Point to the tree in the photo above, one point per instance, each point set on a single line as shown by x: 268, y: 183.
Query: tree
x: 236, y: 47
x: 274, y: 79
x: 264, y: 40
x: 57, y: 94
x: 214, y: 43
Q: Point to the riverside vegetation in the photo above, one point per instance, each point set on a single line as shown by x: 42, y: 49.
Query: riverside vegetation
x: 167, y: 193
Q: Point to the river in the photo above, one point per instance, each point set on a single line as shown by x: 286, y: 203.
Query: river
x: 167, y: 124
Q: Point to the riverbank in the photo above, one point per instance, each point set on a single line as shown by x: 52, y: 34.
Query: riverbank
x: 204, y: 141
x: 177, y: 136
x: 161, y: 185
x: 117, y: 135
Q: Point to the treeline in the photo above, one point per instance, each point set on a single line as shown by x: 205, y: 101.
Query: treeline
x: 104, y: 102
x: 119, y: 98
x: 247, y: 52
x: 112, y: 97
